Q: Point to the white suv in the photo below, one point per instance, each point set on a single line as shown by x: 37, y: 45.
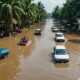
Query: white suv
x: 59, y: 37
x: 61, y: 54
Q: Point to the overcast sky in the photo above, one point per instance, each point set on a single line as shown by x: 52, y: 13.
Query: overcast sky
x: 50, y: 4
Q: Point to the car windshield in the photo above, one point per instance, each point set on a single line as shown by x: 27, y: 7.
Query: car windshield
x: 60, y: 51
x: 59, y: 35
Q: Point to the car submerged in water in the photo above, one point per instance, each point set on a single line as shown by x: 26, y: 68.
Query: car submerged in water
x: 4, y: 52
x: 54, y: 29
x: 59, y: 37
x: 60, y: 54
x: 37, y: 32
x: 63, y: 29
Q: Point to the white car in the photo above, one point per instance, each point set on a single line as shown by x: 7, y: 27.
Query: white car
x: 61, y: 54
x: 54, y: 29
x: 59, y: 37
x: 38, y: 32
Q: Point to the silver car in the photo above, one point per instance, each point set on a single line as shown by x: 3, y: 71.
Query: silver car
x: 59, y: 37
x: 61, y: 54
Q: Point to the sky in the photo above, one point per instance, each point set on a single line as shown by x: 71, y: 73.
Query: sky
x: 50, y: 4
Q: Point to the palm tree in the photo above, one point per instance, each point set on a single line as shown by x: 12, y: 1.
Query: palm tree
x: 33, y: 12
x: 28, y: 7
x: 10, y: 9
x: 41, y: 13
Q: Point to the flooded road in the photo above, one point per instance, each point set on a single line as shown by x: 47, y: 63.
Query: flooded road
x: 35, y: 62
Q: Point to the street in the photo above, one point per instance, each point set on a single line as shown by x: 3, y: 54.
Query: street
x: 36, y: 62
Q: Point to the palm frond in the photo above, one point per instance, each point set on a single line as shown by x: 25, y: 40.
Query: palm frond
x: 20, y: 10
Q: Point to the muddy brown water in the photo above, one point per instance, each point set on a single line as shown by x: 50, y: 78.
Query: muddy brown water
x: 35, y: 62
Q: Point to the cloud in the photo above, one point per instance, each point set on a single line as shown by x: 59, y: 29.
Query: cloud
x: 50, y: 4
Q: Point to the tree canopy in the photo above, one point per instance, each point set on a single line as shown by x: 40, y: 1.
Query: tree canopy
x: 70, y: 10
x: 24, y: 11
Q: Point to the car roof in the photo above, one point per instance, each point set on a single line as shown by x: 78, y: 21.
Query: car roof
x: 38, y: 29
x: 54, y: 27
x: 59, y: 33
x: 60, y: 47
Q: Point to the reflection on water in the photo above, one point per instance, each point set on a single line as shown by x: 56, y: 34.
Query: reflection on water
x: 62, y: 65
x: 10, y: 65
x: 35, y: 62
x: 75, y: 40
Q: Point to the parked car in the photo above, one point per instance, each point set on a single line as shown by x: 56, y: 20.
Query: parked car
x: 63, y: 29
x: 61, y: 54
x: 38, y: 32
x: 54, y: 29
x: 59, y: 37
x: 4, y: 52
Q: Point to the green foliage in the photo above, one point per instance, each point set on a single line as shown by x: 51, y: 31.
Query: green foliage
x: 56, y: 12
x: 70, y: 10
x: 41, y: 13
x: 24, y: 11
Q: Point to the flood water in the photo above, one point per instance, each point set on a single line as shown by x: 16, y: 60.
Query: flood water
x: 35, y: 61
